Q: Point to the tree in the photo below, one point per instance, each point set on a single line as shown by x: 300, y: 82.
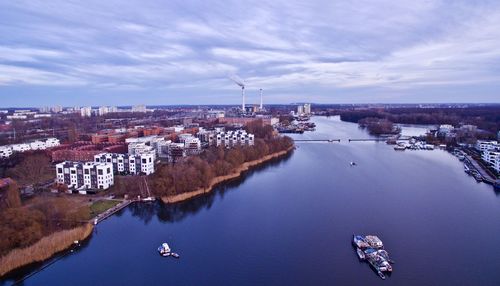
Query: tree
x: 10, y: 197
x: 33, y: 169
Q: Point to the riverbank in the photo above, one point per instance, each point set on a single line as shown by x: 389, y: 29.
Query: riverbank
x: 220, y: 179
x: 44, y: 248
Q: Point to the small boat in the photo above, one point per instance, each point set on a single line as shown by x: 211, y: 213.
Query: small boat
x: 175, y: 255
x: 164, y: 249
x: 361, y: 254
x: 359, y: 241
x: 466, y: 169
x: 149, y: 199
x: 381, y: 274
x: 353, y: 164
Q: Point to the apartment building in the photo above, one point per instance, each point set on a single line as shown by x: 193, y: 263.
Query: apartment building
x: 127, y: 164
x: 84, y: 176
x: 233, y: 138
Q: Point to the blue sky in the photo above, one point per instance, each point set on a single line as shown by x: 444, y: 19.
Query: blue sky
x: 110, y: 52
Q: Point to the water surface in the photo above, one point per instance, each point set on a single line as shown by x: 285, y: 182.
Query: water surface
x: 291, y: 221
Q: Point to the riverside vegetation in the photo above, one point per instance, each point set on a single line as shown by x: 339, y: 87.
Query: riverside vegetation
x: 199, y: 172
x: 35, y: 229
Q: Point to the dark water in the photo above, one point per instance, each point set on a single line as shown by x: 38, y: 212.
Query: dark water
x: 291, y: 222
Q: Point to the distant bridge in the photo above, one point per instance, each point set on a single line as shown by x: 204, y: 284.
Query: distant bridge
x: 352, y: 139
x: 317, y: 140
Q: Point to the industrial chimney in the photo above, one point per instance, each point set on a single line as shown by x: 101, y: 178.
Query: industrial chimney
x: 243, y: 95
x: 261, y: 99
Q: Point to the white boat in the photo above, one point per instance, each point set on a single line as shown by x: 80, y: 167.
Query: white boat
x: 374, y: 241
x: 149, y: 199
x: 361, y: 254
x: 164, y: 249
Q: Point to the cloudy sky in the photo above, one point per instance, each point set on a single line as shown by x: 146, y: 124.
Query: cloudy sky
x: 96, y: 52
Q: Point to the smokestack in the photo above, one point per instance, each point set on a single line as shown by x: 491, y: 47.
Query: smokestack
x: 261, y: 99
x: 243, y: 95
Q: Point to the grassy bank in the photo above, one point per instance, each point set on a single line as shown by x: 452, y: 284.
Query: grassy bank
x: 43, y: 249
x: 101, y: 206
x: 220, y: 179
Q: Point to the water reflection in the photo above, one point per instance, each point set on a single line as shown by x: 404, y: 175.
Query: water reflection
x: 178, y: 211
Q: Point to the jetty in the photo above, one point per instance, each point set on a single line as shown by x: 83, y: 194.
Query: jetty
x: 111, y: 211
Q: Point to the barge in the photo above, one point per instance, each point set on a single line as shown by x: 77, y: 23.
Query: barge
x: 370, y: 248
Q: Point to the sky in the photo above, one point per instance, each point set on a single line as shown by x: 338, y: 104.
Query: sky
x: 154, y: 52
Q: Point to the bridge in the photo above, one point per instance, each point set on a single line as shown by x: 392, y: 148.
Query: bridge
x: 349, y: 140
x: 317, y: 140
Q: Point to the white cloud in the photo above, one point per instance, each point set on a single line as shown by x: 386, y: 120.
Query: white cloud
x: 341, y: 45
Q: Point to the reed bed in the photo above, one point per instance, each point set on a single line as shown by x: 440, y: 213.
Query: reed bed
x: 43, y: 249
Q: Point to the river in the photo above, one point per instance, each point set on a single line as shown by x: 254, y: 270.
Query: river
x: 291, y: 222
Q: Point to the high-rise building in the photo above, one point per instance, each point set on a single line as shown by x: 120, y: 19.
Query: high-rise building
x: 300, y: 109
x: 86, y: 111
x: 103, y: 110
x: 307, y: 108
x: 56, y: 109
x: 139, y: 108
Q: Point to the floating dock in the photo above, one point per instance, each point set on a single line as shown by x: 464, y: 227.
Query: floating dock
x: 371, y: 249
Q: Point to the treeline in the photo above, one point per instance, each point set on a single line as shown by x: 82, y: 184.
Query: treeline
x: 486, y: 118
x: 22, y: 226
x: 197, y: 172
x: 377, y: 126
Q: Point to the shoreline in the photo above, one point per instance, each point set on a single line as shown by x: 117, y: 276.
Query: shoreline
x: 43, y: 249
x: 54, y: 243
x: 220, y: 179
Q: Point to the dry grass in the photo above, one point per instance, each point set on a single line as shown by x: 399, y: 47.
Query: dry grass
x: 43, y: 249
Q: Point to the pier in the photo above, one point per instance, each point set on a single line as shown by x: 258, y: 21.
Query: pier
x: 111, y: 211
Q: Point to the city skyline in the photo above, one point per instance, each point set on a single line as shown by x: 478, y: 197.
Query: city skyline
x: 115, y: 53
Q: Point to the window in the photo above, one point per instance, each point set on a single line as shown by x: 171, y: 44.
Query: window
x: 59, y: 170
x: 87, y: 171
x: 73, y: 172
x: 109, y: 170
x: 108, y: 160
x: 99, y: 172
x: 144, y: 161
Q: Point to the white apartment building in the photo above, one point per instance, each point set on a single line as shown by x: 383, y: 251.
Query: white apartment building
x: 5, y: 151
x: 103, y: 110
x: 38, y: 145
x: 86, y: 111
x: 17, y: 116
x: 307, y: 108
x: 52, y: 142
x: 146, y: 145
x: 82, y: 176
x: 139, y: 108
x: 487, y: 145
x: 127, y: 164
x: 21, y: 147
x: 492, y: 158
x: 42, y: 115
x: 233, y: 138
